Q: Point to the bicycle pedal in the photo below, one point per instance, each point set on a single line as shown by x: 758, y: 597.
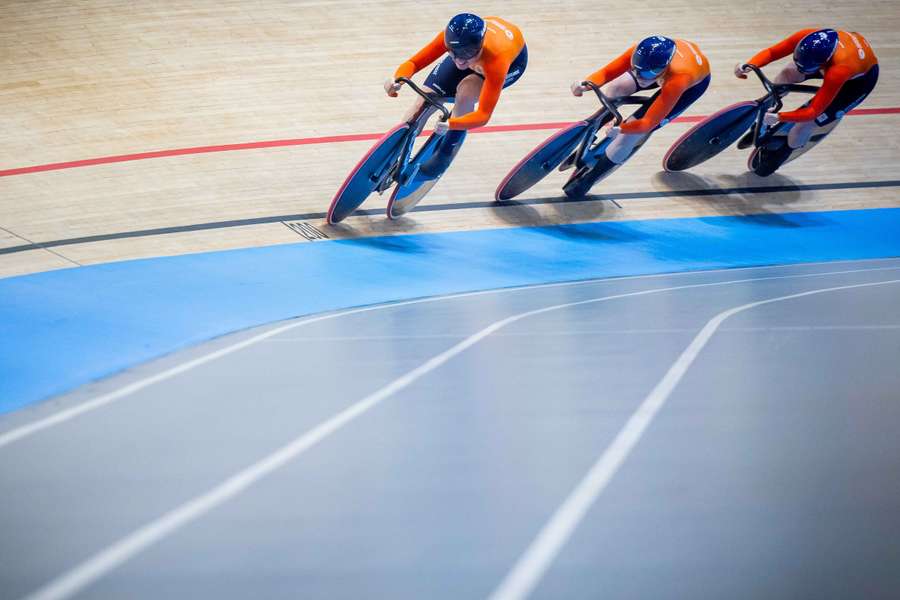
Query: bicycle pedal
x: 568, y: 163
x: 389, y: 179
x: 385, y: 185
x: 746, y: 141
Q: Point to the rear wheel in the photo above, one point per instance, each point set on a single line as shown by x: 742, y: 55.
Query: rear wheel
x: 410, y: 192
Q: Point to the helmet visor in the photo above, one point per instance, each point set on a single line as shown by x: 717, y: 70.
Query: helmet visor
x: 465, y: 53
x: 806, y: 69
x: 647, y: 74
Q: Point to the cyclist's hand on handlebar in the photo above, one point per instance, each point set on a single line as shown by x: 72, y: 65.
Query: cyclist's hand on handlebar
x: 441, y: 127
x: 741, y: 70
x: 613, y: 131
x: 770, y: 119
x: 577, y: 88
x: 391, y: 87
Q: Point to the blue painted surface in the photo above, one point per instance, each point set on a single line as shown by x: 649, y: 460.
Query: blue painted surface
x: 64, y: 328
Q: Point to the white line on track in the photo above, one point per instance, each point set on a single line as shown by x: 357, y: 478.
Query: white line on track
x: 530, y: 568
x: 578, y: 332
x: 68, y: 414
x: 101, y: 563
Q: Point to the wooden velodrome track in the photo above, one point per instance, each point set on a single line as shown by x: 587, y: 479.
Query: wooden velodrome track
x: 107, y: 78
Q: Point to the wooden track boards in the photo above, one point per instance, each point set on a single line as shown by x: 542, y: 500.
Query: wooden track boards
x: 107, y: 77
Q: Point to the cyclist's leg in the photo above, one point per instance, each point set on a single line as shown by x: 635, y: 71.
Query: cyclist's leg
x: 466, y: 89
x: 789, y: 74
x: 441, y: 81
x: 800, y: 132
x: 467, y: 92
x: 623, y: 85
x: 620, y: 148
x: 419, y: 111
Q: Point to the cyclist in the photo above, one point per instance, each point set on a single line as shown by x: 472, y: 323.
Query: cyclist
x: 844, y: 60
x: 484, y: 56
x: 675, y: 66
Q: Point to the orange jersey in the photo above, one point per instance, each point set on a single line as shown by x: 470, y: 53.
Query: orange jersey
x: 688, y: 67
x: 853, y: 57
x: 502, y: 43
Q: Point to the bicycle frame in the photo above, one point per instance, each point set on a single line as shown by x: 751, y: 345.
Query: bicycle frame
x: 596, y: 120
x: 398, y: 169
x: 775, y: 92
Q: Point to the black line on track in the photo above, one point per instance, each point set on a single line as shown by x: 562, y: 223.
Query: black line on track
x: 454, y: 206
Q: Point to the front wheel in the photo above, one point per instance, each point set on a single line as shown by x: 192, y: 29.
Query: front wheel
x: 540, y: 161
x: 367, y: 174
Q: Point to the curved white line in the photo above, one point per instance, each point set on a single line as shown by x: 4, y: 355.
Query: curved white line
x: 529, y: 569
x: 106, y: 560
x: 29, y: 429
x: 70, y: 413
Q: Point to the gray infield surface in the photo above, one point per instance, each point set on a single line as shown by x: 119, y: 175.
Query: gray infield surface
x: 772, y: 471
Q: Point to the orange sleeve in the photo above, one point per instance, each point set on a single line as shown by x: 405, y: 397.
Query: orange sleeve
x: 487, y: 100
x: 668, y: 96
x: 779, y: 50
x: 424, y: 57
x: 835, y: 78
x: 618, y: 66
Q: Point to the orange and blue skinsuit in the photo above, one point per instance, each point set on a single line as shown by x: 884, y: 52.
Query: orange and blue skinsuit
x: 688, y: 68
x: 502, y: 44
x: 852, y: 58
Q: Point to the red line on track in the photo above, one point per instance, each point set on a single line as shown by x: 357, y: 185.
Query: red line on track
x: 331, y: 139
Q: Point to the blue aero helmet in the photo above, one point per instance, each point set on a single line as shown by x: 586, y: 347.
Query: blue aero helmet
x: 652, y: 56
x: 464, y: 36
x: 815, y: 50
